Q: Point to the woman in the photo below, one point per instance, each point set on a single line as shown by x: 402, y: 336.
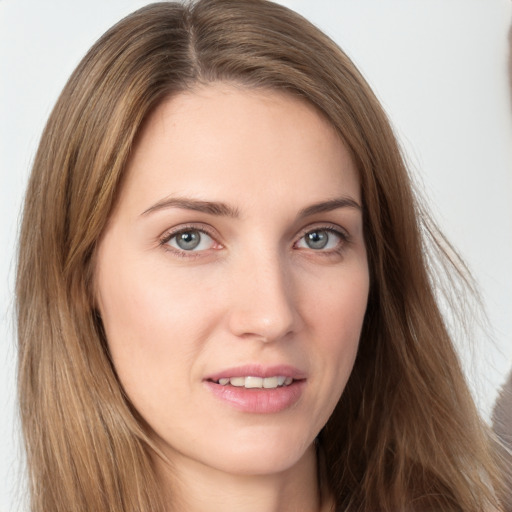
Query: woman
x: 218, y: 204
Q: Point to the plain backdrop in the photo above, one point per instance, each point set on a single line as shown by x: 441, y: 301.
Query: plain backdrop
x: 439, y: 68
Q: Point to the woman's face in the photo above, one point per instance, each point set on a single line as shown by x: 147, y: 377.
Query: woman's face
x: 232, y: 278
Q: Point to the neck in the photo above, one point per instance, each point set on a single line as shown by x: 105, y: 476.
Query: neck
x: 192, y: 487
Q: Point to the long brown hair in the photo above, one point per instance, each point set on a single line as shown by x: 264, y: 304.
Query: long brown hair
x: 405, y: 434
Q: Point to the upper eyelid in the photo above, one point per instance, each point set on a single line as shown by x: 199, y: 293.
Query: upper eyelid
x: 328, y: 226
x: 203, y: 228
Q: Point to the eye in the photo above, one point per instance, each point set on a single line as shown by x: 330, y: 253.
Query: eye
x: 321, y: 239
x: 190, y: 240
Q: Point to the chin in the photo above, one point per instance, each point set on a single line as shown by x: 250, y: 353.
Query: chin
x: 265, y: 455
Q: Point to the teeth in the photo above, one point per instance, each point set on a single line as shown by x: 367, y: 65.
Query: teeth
x: 269, y: 382
x: 257, y: 382
x: 237, y: 381
x: 253, y: 382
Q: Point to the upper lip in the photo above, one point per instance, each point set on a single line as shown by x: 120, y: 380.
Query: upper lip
x: 258, y: 370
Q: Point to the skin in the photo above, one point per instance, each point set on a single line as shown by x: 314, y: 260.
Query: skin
x: 254, y: 291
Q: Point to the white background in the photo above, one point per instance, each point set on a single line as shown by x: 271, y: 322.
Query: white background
x: 439, y: 68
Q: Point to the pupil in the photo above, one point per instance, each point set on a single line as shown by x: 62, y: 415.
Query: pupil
x: 188, y: 240
x: 317, y: 239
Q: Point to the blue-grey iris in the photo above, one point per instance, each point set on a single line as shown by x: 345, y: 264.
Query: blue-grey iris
x: 188, y: 240
x: 317, y: 239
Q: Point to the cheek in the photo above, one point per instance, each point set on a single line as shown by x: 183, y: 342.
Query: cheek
x: 338, y: 306
x: 137, y: 302
x: 155, y: 324
x: 336, y: 315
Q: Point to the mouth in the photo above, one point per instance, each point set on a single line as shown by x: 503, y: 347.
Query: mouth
x: 258, y: 389
x: 254, y: 382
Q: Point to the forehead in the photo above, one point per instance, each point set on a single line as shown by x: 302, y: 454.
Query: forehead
x: 221, y: 138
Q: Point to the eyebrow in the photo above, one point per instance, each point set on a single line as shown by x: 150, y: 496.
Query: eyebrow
x: 224, y: 210
x: 211, y: 207
x: 327, y: 206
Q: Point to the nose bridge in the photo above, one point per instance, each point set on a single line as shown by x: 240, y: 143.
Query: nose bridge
x: 263, y: 302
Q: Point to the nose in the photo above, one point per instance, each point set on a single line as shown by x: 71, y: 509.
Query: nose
x: 263, y: 304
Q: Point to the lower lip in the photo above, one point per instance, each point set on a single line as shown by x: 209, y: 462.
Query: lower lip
x: 256, y: 400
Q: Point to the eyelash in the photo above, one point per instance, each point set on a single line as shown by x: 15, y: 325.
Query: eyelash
x: 333, y: 229
x: 336, y: 230
x: 168, y: 236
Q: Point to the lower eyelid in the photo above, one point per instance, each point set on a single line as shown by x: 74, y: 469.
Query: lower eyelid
x: 178, y: 251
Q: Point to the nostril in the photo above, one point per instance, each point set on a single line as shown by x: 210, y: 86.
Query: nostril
x: 261, y: 324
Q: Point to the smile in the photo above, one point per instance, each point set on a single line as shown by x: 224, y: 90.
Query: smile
x: 251, y: 382
x: 258, y: 389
